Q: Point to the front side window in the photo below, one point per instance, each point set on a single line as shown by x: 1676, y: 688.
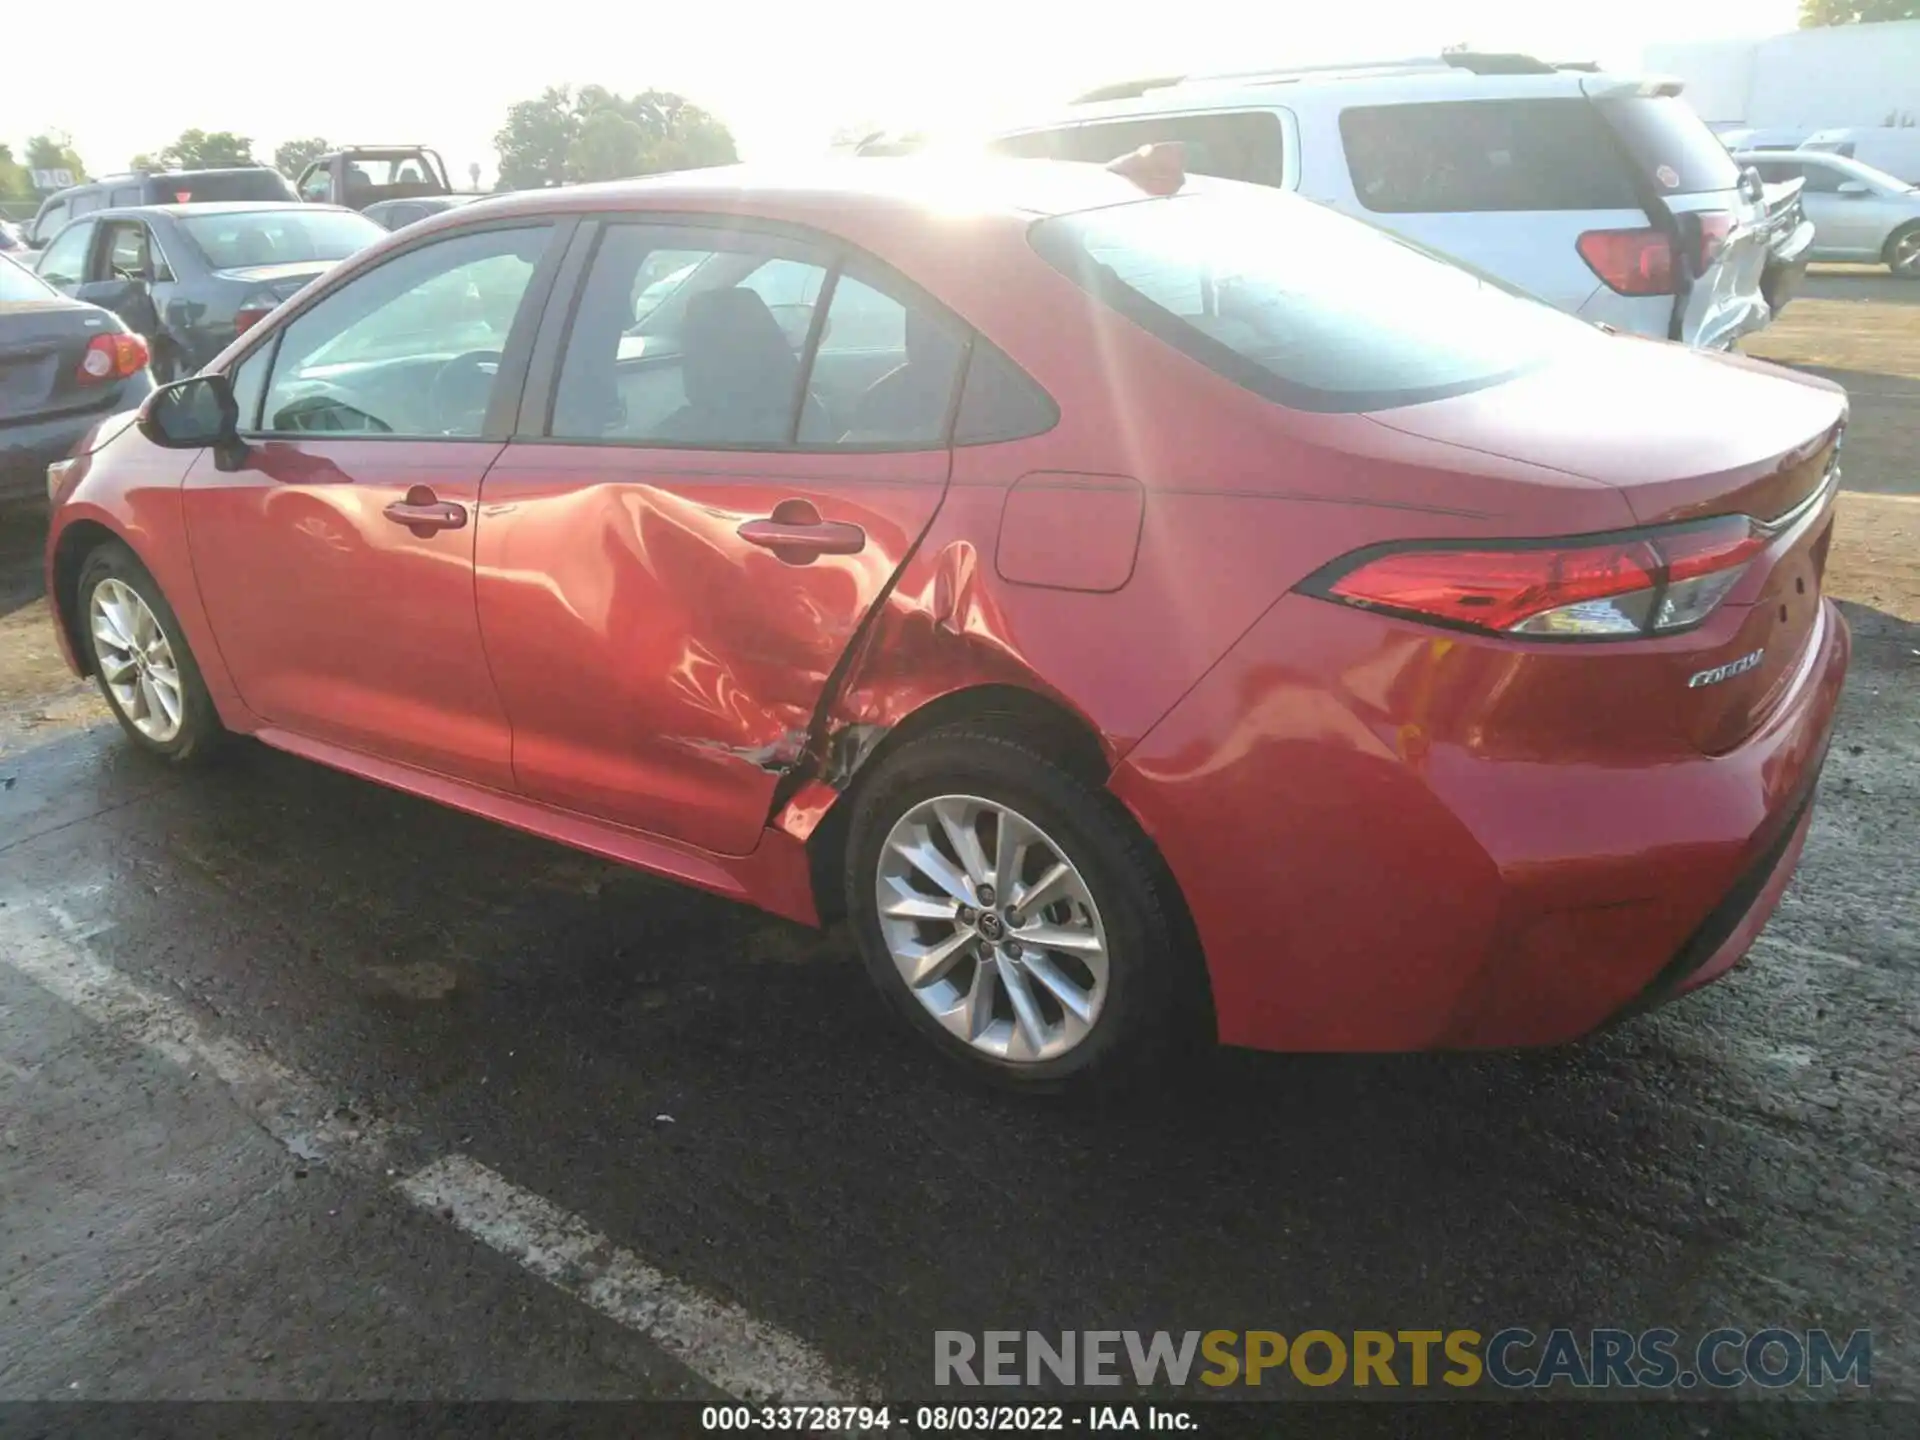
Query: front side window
x: 65, y: 260
x: 318, y: 185
x: 1307, y: 307
x: 412, y: 347
x: 240, y: 239
x: 1480, y: 155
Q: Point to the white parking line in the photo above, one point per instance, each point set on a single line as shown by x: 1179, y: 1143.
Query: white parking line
x: 719, y: 1342
x: 722, y: 1344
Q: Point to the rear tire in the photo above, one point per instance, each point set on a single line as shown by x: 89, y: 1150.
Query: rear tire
x: 141, y: 660
x: 1903, y: 252
x: 1083, y: 986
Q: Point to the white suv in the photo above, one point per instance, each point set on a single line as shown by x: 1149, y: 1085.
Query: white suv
x: 1604, y: 195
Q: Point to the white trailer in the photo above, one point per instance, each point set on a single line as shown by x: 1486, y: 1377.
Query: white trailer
x: 1805, y: 80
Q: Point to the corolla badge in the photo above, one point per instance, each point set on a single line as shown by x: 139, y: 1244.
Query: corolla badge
x: 1726, y: 671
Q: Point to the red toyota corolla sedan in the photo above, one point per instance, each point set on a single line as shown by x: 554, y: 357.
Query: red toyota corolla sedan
x: 1145, y: 607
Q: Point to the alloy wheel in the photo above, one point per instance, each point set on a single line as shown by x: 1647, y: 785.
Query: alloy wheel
x: 992, y: 927
x: 1906, y: 253
x: 136, y: 661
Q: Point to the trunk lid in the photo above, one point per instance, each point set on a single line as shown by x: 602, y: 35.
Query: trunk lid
x: 41, y: 345
x: 1684, y: 435
x: 281, y: 280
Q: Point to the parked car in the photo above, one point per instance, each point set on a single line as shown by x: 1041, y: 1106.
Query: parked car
x: 362, y: 175
x: 1749, y: 137
x: 1894, y: 149
x: 393, y: 214
x: 191, y: 277
x: 64, y: 365
x: 156, y: 187
x: 1604, y: 195
x: 1197, y: 613
x: 1858, y: 213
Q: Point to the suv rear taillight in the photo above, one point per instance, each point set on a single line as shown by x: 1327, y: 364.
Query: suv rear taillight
x: 253, y: 310
x: 111, y: 357
x: 1646, y: 582
x: 1712, y: 229
x: 1631, y: 262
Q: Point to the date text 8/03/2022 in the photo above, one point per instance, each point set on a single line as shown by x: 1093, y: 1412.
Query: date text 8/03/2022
x: 1512, y: 1358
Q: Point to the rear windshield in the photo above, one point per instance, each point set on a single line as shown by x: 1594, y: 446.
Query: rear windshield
x: 1671, y: 147
x: 17, y: 284
x: 246, y: 238
x: 1306, y: 307
x: 241, y: 185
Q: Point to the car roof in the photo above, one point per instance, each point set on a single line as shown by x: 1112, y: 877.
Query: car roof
x: 1359, y: 85
x: 957, y: 185
x: 208, y: 207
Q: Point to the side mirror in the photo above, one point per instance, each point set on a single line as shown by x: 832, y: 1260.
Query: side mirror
x: 131, y: 300
x: 1855, y: 189
x: 196, y: 414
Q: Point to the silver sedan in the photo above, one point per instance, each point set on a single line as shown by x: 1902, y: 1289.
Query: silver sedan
x: 1859, y: 213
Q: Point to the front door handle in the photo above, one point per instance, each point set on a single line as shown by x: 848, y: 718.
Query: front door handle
x: 423, y: 513
x: 796, y: 533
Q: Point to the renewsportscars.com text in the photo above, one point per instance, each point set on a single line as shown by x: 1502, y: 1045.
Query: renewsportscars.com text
x: 1513, y: 1358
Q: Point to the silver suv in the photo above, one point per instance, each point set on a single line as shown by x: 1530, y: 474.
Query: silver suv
x: 1603, y: 195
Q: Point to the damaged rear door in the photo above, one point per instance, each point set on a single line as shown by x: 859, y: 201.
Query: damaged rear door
x: 732, y: 437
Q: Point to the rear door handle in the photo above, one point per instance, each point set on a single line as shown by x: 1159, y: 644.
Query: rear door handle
x: 423, y: 514
x: 796, y: 533
x: 829, y: 537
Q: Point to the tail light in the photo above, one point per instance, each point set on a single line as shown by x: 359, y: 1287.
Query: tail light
x: 112, y: 357
x: 252, y: 311
x: 1650, y: 582
x: 1631, y: 262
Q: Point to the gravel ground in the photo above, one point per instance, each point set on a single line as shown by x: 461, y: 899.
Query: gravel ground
x: 715, y: 1093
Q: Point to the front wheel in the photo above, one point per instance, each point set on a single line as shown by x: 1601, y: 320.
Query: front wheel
x: 1903, y: 253
x: 141, y: 659
x: 1015, y: 916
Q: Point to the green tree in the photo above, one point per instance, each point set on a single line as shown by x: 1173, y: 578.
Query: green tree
x: 15, y: 183
x: 1815, y: 14
x: 208, y: 150
x: 54, y: 151
x: 144, y: 161
x: 295, y: 155
x: 567, y: 136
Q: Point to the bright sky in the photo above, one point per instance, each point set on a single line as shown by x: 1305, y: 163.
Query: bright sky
x: 782, y: 75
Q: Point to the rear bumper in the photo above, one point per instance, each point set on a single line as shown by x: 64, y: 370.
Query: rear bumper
x: 1367, y: 872
x: 27, y: 447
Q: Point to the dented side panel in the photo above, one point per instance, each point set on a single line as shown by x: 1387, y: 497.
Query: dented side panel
x: 659, y: 669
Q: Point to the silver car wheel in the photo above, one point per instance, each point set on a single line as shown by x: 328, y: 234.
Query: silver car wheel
x: 136, y: 661
x: 992, y: 928
x: 1906, y: 254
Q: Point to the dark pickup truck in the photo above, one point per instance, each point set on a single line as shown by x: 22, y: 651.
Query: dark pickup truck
x: 361, y: 175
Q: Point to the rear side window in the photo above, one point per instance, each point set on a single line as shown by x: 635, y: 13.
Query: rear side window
x: 238, y: 185
x: 1479, y: 155
x: 1670, y: 145
x: 999, y: 402
x: 1232, y: 145
x: 19, y: 285
x: 1302, y: 305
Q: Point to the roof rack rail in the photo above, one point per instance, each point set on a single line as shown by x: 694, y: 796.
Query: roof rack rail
x: 1477, y: 62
